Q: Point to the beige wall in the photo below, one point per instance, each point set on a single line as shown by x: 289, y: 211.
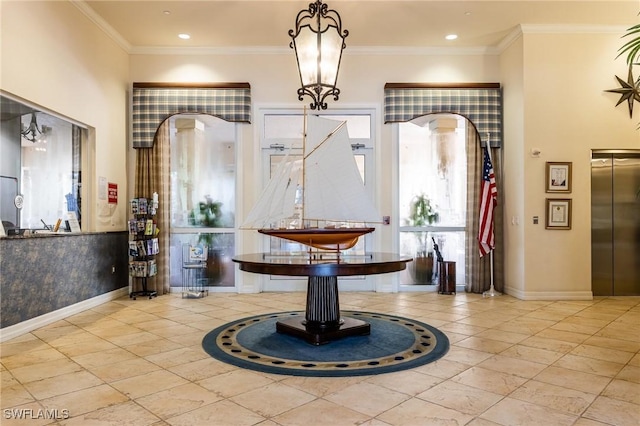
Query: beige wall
x: 53, y: 56
x: 554, y: 102
x: 566, y: 115
x: 513, y: 156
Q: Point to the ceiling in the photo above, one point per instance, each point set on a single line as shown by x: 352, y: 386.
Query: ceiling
x: 148, y: 24
x: 241, y: 24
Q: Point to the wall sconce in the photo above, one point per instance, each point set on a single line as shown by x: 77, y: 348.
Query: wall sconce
x: 318, y: 40
x: 32, y: 132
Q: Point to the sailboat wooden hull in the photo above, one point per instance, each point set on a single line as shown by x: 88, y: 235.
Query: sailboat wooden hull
x: 321, y: 238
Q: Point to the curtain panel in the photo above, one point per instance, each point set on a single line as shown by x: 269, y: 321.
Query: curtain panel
x: 480, y: 103
x: 478, y: 269
x: 155, y: 102
x: 153, y: 175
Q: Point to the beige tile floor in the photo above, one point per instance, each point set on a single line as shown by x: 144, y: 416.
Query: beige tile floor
x: 511, y: 362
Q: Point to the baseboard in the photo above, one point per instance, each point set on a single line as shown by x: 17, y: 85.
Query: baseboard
x: 420, y: 288
x: 42, y: 320
x: 549, y: 295
x: 210, y: 289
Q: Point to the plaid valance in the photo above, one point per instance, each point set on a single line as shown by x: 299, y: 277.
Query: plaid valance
x: 481, y: 105
x: 155, y: 102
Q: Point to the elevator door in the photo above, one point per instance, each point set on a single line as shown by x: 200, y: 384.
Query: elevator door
x: 615, y: 223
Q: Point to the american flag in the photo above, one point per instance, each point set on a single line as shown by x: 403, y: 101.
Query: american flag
x: 488, y: 201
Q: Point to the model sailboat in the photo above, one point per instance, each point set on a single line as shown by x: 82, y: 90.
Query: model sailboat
x: 324, y: 188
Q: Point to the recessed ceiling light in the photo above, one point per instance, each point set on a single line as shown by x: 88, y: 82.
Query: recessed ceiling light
x: 184, y: 36
x: 166, y: 12
x: 451, y: 37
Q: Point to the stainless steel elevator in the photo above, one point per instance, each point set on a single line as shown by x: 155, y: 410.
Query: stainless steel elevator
x: 615, y: 223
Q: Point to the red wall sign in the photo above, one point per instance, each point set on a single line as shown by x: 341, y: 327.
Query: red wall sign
x: 112, y: 193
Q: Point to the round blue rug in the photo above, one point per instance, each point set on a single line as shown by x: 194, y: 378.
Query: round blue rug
x: 395, y: 344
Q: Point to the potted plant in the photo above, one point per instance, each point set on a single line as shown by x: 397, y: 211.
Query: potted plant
x: 208, y: 214
x: 422, y: 213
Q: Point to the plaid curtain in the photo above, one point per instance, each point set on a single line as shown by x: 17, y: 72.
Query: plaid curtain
x: 152, y: 175
x: 481, y: 106
x: 478, y: 269
x: 152, y: 105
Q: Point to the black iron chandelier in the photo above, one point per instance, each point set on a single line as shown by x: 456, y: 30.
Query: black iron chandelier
x: 318, y: 40
x: 33, y: 133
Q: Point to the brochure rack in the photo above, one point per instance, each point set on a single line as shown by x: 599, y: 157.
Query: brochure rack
x: 143, y: 244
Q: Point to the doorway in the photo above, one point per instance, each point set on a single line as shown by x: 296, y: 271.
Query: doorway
x: 281, y: 134
x: 615, y: 223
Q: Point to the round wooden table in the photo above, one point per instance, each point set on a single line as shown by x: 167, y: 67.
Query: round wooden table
x: 322, y: 322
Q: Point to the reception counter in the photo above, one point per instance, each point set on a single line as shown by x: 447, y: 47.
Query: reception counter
x: 43, y: 273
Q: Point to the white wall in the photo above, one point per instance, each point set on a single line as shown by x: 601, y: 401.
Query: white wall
x: 53, y: 56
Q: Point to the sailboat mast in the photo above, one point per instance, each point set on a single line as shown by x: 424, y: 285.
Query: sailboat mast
x: 304, y: 178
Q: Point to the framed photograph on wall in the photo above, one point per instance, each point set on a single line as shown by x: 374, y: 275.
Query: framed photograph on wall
x: 558, y: 213
x: 558, y: 177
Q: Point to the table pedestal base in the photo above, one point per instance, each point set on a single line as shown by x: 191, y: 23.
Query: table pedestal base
x: 296, y: 326
x: 322, y: 322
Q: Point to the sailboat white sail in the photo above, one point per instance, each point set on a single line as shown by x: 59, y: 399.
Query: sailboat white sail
x: 277, y: 200
x: 333, y: 187
x: 332, y: 190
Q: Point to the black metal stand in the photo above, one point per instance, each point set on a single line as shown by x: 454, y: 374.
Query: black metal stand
x: 144, y: 292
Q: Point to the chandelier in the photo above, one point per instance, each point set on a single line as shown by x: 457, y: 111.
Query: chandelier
x: 318, y: 40
x: 32, y: 132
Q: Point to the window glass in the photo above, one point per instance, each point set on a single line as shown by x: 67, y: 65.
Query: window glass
x: 48, y: 160
x: 203, y: 176
x: 433, y: 163
x: 278, y: 126
x: 289, y: 126
x: 202, y: 172
x: 432, y: 194
x: 41, y: 162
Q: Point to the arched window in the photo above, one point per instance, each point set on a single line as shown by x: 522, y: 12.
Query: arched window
x: 481, y: 105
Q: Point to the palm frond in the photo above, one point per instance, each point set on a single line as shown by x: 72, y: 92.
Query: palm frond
x: 632, y: 47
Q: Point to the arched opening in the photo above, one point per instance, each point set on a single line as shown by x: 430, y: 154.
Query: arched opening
x: 444, y: 131
x: 154, y: 105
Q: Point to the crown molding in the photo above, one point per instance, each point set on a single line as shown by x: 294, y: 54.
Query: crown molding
x: 102, y: 24
x: 420, y: 51
x: 572, y: 29
x: 349, y: 51
x: 522, y: 29
x: 222, y: 51
x: 514, y: 35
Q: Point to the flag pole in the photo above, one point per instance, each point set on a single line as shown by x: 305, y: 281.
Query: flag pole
x: 492, y: 291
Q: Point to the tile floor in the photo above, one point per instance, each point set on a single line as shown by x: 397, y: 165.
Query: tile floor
x: 511, y: 362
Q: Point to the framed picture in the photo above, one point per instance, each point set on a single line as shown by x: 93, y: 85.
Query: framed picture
x: 558, y: 213
x: 558, y: 177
